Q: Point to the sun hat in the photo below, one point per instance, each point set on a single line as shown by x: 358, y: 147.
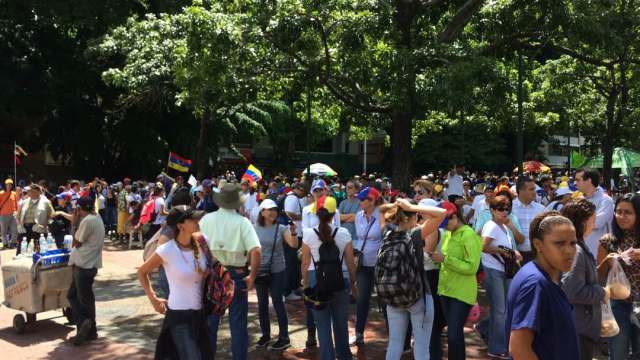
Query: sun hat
x: 229, y: 197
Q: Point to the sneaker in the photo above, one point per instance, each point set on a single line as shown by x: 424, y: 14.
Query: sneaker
x: 264, y: 341
x: 499, y: 356
x: 293, y: 297
x: 281, y: 344
x: 357, y: 340
x: 83, y: 333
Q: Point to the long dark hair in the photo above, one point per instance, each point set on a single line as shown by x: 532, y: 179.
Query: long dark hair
x: 324, y: 229
x: 634, y: 200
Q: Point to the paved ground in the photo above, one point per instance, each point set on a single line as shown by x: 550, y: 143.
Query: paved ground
x: 128, y: 326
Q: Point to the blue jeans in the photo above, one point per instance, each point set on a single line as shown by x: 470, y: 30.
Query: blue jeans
x: 421, y: 319
x: 292, y: 265
x: 276, y: 288
x: 335, y: 315
x: 497, y: 286
x: 81, y: 297
x: 163, y: 283
x: 185, y: 342
x: 365, y: 277
x: 629, y: 335
x: 110, y: 217
x: 456, y: 313
x: 237, y: 318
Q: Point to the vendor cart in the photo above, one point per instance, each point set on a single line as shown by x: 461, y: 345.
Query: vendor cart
x: 36, y: 285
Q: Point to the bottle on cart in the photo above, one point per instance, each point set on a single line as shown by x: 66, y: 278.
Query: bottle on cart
x: 68, y: 239
x: 23, y: 246
x: 51, y: 244
x: 43, y: 244
x: 30, y: 246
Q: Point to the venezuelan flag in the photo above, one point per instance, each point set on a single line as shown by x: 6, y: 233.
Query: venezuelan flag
x: 252, y: 174
x: 178, y: 162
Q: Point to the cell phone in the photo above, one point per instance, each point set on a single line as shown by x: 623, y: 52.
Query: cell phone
x: 289, y: 222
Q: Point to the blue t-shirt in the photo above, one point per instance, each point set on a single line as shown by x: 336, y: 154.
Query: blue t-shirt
x: 537, y: 303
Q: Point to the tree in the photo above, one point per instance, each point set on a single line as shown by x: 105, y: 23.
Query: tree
x: 373, y: 57
x: 599, y: 36
x: 205, y: 59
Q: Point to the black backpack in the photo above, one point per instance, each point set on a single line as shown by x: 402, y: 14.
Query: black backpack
x: 329, y: 267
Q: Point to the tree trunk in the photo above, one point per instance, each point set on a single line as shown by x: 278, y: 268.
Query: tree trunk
x: 401, y: 149
x: 201, y: 153
x: 405, y: 108
x: 608, y: 141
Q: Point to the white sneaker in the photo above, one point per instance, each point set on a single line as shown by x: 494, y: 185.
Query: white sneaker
x: 293, y: 297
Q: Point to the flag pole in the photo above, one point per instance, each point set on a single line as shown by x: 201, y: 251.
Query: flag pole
x: 15, y: 165
x: 168, y: 160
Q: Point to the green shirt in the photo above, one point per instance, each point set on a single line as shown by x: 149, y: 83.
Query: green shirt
x: 230, y: 236
x: 461, y: 251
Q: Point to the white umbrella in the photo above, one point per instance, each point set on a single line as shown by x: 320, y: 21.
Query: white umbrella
x: 320, y: 169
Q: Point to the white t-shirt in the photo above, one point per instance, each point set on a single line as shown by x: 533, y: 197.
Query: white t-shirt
x: 250, y: 203
x: 101, y: 201
x: 185, y: 283
x: 253, y: 216
x: 500, y: 236
x: 159, y: 203
x: 479, y: 204
x: 310, y: 220
x: 294, y: 205
x: 456, y: 186
x: 428, y: 202
x: 310, y: 238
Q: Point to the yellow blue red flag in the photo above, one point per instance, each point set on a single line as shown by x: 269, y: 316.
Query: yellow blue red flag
x: 252, y: 174
x: 178, y: 162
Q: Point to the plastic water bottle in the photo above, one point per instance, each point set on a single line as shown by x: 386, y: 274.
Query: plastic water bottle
x: 68, y: 239
x: 43, y: 244
x: 30, y: 246
x: 23, y: 246
x: 51, y: 244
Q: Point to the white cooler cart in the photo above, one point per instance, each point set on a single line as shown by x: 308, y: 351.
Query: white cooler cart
x: 35, y: 288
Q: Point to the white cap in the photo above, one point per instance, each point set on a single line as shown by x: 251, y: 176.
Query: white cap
x: 563, y: 191
x: 268, y: 204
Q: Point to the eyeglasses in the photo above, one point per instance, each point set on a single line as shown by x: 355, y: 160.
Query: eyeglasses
x: 507, y: 209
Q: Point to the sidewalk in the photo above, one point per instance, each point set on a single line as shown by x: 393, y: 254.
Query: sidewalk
x: 128, y: 326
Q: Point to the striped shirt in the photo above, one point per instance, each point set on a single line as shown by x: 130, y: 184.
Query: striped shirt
x: 525, y: 214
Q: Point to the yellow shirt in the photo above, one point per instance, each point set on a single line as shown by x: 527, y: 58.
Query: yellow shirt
x: 230, y: 236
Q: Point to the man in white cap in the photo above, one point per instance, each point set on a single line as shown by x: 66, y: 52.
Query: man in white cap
x: 562, y: 197
x: 234, y: 243
x: 8, y: 212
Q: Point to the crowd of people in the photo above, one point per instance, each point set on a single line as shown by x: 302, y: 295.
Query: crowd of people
x: 541, y: 246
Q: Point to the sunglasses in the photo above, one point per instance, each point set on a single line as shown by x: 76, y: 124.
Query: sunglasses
x: 317, y: 190
x: 507, y: 209
x: 421, y: 192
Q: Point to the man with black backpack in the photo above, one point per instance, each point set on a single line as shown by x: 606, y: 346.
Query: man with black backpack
x: 328, y: 270
x: 400, y: 278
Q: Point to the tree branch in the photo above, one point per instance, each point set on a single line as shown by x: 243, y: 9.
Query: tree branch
x: 354, y: 97
x: 460, y: 19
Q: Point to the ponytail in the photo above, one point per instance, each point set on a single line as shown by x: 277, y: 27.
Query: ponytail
x: 324, y: 229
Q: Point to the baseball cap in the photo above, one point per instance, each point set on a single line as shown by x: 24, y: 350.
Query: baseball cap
x: 563, y: 191
x: 451, y: 210
x: 268, y: 204
x: 318, y: 184
x: 8, y: 181
x: 325, y: 202
x: 368, y: 193
x: 180, y: 213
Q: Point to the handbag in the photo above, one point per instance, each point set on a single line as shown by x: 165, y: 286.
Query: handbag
x: 264, y: 276
x: 510, y: 263
x: 357, y: 254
